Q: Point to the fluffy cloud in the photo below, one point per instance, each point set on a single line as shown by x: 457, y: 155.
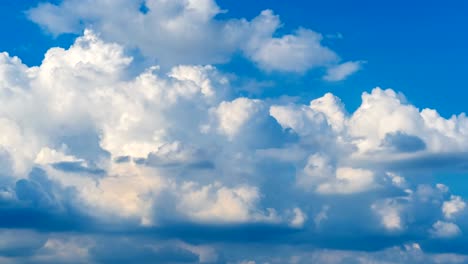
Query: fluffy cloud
x: 445, y: 230
x: 214, y: 203
x: 453, y: 207
x: 389, y: 212
x: 296, y: 52
x: 136, y: 122
x: 232, y: 116
x: 181, y: 32
x: 86, y: 145
x: 386, y: 122
x: 321, y: 176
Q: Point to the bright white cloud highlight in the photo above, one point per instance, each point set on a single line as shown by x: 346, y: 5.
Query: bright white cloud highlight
x: 452, y: 207
x: 390, y: 214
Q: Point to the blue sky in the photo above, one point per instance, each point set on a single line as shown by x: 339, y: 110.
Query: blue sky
x: 419, y: 49
x: 203, y: 131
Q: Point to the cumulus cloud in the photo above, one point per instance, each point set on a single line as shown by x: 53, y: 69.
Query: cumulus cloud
x: 390, y: 214
x: 452, y: 207
x: 320, y: 175
x: 138, y: 119
x: 445, y: 229
x: 214, y: 203
x: 232, y: 116
x: 384, y: 118
x: 181, y: 32
x: 173, y: 156
x: 296, y: 52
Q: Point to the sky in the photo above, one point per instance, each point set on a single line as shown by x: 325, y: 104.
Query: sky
x: 204, y: 131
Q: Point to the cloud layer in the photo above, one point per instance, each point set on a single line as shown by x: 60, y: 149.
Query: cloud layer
x: 169, y: 165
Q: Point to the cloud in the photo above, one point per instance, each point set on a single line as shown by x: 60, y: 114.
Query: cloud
x: 453, y: 207
x: 16, y: 242
x: 349, y: 180
x: 403, y: 143
x: 72, y: 248
x: 125, y: 251
x: 182, y: 32
x: 320, y: 175
x: 174, y: 155
x: 408, y: 253
x: 233, y: 115
x: 215, y: 203
x: 383, y: 112
x: 296, y: 52
x: 299, y: 218
x: 342, y: 71
x: 445, y: 230
x: 389, y: 211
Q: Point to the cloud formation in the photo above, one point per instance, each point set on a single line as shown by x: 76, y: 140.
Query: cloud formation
x: 342, y: 71
x: 182, y: 32
x: 99, y: 164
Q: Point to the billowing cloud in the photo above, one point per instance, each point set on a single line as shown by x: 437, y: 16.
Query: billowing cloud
x: 170, y: 165
x: 181, y: 32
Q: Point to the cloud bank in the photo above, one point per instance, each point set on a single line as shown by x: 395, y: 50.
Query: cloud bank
x: 170, y: 165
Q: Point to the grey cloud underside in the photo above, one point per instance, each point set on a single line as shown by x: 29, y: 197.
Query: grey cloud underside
x: 451, y: 162
x: 404, y: 143
x: 170, y: 165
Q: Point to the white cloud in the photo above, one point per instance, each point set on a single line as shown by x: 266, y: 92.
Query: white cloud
x: 178, y: 147
x: 453, y: 207
x: 154, y: 119
x: 390, y: 214
x: 296, y: 52
x: 349, y: 180
x: 299, y: 218
x: 384, y: 112
x: 215, y: 203
x: 320, y: 175
x: 232, y: 116
x: 332, y: 107
x: 302, y: 119
x: 342, y: 71
x: 183, y: 32
x: 48, y: 156
x: 442, y: 229
x: 317, y: 170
